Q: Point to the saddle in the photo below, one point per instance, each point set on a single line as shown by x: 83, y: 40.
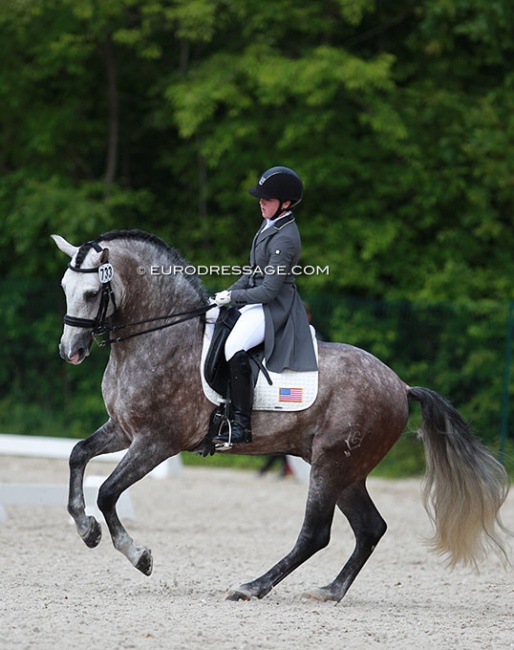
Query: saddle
x: 286, y: 391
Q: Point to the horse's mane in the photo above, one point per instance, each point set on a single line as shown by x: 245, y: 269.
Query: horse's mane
x: 141, y: 236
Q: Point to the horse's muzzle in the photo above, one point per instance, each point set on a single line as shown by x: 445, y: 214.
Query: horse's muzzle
x: 76, y: 350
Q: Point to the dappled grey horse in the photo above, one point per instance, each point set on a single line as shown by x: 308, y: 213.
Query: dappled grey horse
x: 153, y: 395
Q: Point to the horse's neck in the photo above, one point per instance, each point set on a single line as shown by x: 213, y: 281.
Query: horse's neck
x: 171, y: 352
x: 148, y: 296
x: 155, y: 297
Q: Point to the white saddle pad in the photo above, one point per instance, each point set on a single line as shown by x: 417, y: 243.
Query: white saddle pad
x: 290, y: 390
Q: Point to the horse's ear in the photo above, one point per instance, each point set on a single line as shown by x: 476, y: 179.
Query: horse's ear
x: 64, y: 246
x: 104, y: 257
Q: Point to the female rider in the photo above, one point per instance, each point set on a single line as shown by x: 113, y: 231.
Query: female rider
x: 271, y: 308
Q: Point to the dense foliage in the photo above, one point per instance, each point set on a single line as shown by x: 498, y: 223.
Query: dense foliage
x: 159, y: 114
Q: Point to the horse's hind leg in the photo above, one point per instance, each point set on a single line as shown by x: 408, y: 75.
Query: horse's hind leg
x: 105, y: 440
x: 368, y: 527
x: 314, y: 535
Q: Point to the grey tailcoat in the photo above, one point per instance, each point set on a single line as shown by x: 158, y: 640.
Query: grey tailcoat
x: 275, y: 251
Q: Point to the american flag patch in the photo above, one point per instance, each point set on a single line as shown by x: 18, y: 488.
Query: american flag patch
x: 290, y: 394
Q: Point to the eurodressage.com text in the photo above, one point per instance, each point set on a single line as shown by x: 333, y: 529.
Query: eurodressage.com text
x: 236, y: 270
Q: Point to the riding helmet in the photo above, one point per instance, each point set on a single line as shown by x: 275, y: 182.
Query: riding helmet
x: 279, y: 183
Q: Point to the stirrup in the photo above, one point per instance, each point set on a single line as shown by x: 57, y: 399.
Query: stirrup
x: 230, y: 439
x: 220, y: 418
x: 224, y: 445
x: 221, y: 445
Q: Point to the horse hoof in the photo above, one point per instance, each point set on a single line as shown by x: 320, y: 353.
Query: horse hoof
x: 319, y: 596
x: 248, y: 591
x: 145, y: 562
x: 93, y: 534
x: 237, y: 594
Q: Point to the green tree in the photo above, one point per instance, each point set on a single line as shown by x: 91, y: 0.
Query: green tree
x: 160, y: 114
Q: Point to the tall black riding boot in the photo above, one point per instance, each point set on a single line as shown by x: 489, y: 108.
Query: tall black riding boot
x: 241, y: 394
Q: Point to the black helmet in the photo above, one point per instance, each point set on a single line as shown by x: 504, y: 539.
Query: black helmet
x: 279, y: 183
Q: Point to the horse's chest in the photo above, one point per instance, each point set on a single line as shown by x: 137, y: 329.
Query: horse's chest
x: 157, y: 387
x: 140, y: 391
x: 126, y: 388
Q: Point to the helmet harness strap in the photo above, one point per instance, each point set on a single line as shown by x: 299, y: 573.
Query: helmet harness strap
x: 279, y: 210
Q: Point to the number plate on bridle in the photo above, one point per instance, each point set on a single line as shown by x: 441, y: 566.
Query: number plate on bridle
x: 105, y: 273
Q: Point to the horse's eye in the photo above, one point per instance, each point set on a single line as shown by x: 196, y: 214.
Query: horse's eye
x: 91, y: 295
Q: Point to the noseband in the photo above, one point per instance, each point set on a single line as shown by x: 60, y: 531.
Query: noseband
x: 105, y: 274
x: 99, y: 323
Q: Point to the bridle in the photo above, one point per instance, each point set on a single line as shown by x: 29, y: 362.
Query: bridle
x: 99, y: 325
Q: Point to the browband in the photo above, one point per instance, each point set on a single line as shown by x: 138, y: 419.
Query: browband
x: 94, y: 244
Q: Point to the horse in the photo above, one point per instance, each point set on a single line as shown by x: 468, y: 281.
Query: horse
x: 122, y: 282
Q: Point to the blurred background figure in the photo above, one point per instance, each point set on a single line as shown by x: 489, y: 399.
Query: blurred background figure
x: 281, y: 460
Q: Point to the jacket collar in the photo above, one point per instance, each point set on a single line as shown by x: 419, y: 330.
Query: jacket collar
x: 278, y: 224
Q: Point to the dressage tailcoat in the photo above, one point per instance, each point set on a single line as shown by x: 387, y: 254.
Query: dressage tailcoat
x: 274, y: 254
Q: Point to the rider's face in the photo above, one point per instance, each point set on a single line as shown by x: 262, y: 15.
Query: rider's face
x: 270, y: 206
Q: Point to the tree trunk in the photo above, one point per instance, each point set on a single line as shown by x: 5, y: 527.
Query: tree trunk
x: 113, y: 107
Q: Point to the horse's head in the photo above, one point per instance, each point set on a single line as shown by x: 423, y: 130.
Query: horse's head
x: 89, y: 297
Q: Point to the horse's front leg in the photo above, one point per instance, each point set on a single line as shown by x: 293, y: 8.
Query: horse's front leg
x: 139, y: 460
x: 106, y: 439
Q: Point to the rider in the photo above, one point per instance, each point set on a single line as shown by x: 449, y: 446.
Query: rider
x: 271, y: 308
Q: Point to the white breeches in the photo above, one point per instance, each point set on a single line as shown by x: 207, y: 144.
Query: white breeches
x: 247, y: 332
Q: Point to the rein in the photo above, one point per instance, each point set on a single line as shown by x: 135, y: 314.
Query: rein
x: 99, y: 323
x: 187, y: 315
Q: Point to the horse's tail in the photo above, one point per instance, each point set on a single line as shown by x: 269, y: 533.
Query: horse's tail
x: 465, y: 486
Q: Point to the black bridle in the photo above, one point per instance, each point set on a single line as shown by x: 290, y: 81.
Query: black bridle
x: 99, y: 325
